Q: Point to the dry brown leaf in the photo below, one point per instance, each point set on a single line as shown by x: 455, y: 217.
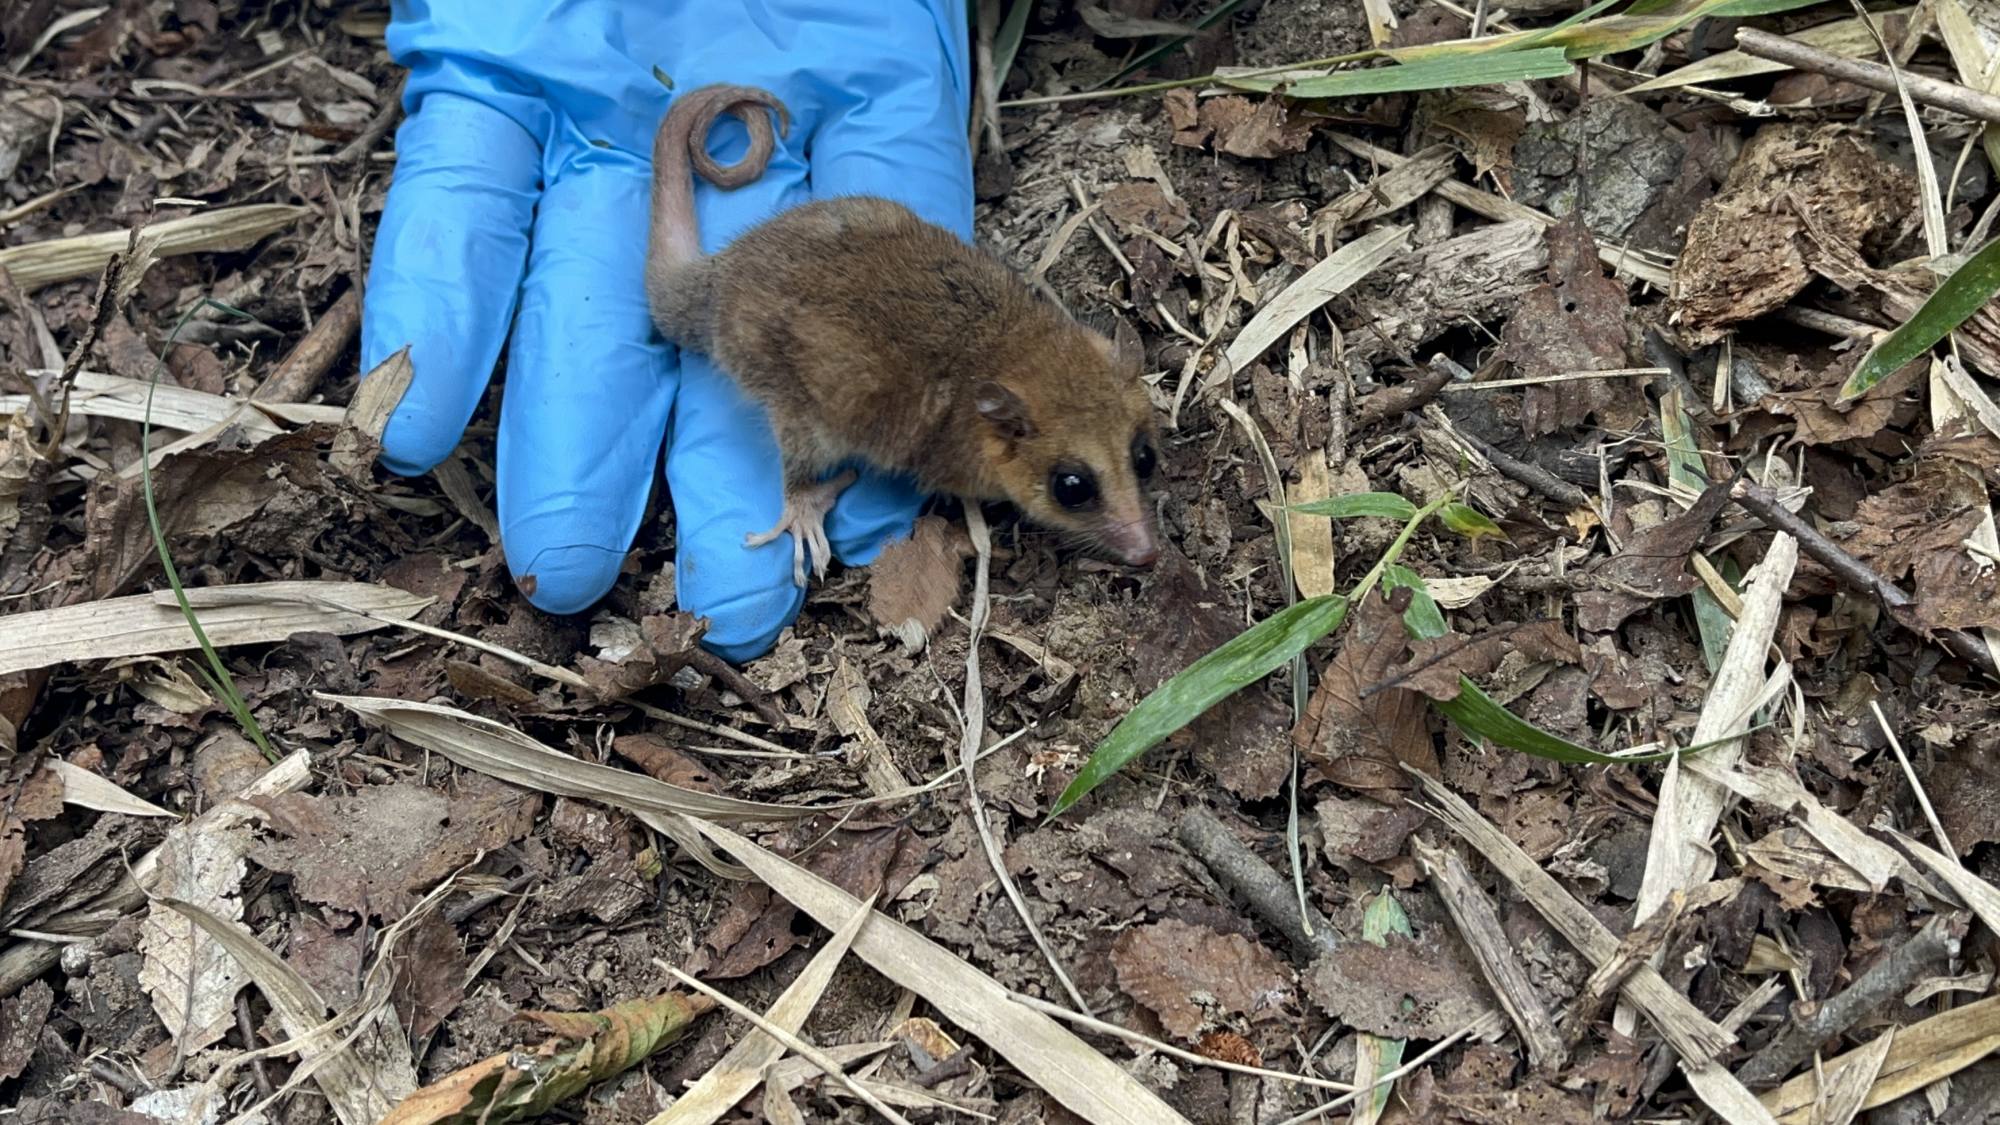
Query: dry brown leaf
x: 1652, y: 567
x: 1363, y: 742
x: 1575, y: 322
x: 1435, y: 665
x: 192, y: 979
x: 1919, y: 528
x: 1196, y: 979
x: 1423, y: 988
x: 915, y: 581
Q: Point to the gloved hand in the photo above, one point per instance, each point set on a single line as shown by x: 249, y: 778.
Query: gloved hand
x: 520, y: 200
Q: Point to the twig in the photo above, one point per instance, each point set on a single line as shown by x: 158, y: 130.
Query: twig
x: 1814, y: 1022
x: 247, y: 1029
x: 792, y: 1043
x: 296, y: 376
x: 1532, y: 475
x: 1910, y: 775
x: 1763, y: 504
x: 974, y: 716
x: 1479, y: 924
x: 1268, y: 893
x: 732, y: 677
x: 1151, y: 1044
x: 1403, y: 399
x: 1875, y: 76
x: 376, y: 127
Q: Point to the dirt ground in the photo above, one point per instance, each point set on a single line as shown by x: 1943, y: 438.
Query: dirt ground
x: 1665, y: 290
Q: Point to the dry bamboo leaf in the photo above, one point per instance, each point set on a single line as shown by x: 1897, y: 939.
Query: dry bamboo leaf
x: 1922, y: 1053
x: 226, y: 228
x: 1457, y: 593
x: 1312, y: 536
x: 1314, y: 288
x: 360, y: 438
x: 362, y: 1080
x: 498, y: 750
x: 737, y: 1073
x: 149, y: 624
x: 1979, y: 895
x: 1849, y: 1080
x: 1678, y: 856
x: 1871, y: 861
x: 87, y: 790
x: 1847, y: 38
x: 1065, y: 1067
x: 98, y: 395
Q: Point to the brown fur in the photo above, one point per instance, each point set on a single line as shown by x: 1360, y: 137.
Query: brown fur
x: 869, y: 333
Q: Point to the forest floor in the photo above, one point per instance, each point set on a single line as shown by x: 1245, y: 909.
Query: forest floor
x: 1615, y: 324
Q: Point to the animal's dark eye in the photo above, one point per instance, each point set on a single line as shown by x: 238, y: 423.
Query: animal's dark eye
x: 1075, y: 489
x: 1142, y: 457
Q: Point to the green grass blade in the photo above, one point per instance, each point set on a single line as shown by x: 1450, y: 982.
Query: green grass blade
x: 1236, y: 663
x: 1970, y: 286
x: 217, y: 673
x: 1447, y: 72
x: 1388, y: 505
x: 1007, y: 40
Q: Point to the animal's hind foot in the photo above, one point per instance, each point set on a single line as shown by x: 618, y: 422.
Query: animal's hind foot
x: 805, y: 517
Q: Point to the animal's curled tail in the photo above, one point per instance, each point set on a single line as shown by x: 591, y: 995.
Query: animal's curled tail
x: 680, y: 150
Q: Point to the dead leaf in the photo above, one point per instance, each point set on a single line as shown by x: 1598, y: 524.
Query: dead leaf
x: 1364, y: 741
x: 915, y: 581
x: 1238, y: 126
x: 1919, y: 529
x: 1194, y: 978
x: 22, y: 1016
x: 1652, y: 568
x: 192, y: 979
x: 1575, y: 322
x: 1405, y: 989
x: 582, y: 1049
x: 374, y: 851
x: 1435, y: 665
x: 667, y: 643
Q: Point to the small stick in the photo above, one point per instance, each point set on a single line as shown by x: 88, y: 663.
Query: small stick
x: 296, y: 376
x: 1910, y: 775
x: 1269, y: 894
x: 1532, y: 475
x: 1875, y: 76
x: 1479, y: 924
x: 1393, y: 401
x: 1814, y: 1022
x: 1763, y: 504
x: 1112, y: 1029
x: 792, y: 1043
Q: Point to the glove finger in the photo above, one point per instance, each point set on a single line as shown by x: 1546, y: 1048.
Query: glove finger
x: 446, y: 267
x: 897, y: 129
x: 589, y: 388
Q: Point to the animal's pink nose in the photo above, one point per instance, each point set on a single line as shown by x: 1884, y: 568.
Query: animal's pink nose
x: 1134, y: 543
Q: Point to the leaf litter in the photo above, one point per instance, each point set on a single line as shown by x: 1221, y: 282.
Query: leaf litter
x: 1588, y: 315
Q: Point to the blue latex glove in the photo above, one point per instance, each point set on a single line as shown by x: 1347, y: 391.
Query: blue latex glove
x: 520, y: 200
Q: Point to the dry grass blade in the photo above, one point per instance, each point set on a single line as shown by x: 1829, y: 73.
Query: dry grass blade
x: 1314, y: 288
x: 227, y: 228
x: 498, y: 750
x: 739, y: 1071
x: 1065, y: 1067
x: 361, y: 1091
x: 1871, y: 860
x: 1980, y: 896
x: 150, y: 624
x: 84, y: 788
x: 1922, y: 1053
x: 100, y: 395
x: 1847, y: 38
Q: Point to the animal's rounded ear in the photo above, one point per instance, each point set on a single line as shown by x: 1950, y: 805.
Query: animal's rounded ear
x: 1003, y: 410
x: 1119, y: 342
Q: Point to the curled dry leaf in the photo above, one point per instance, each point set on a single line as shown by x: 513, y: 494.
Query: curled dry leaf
x: 1237, y: 125
x: 583, y: 1048
x: 668, y: 644
x: 1652, y: 567
x: 1575, y: 322
x: 1436, y: 664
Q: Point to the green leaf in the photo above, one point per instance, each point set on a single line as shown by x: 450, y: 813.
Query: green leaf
x: 1443, y: 73
x: 1237, y: 662
x: 1388, y: 505
x: 1007, y: 40
x: 1423, y: 620
x: 1468, y: 521
x: 1970, y: 285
